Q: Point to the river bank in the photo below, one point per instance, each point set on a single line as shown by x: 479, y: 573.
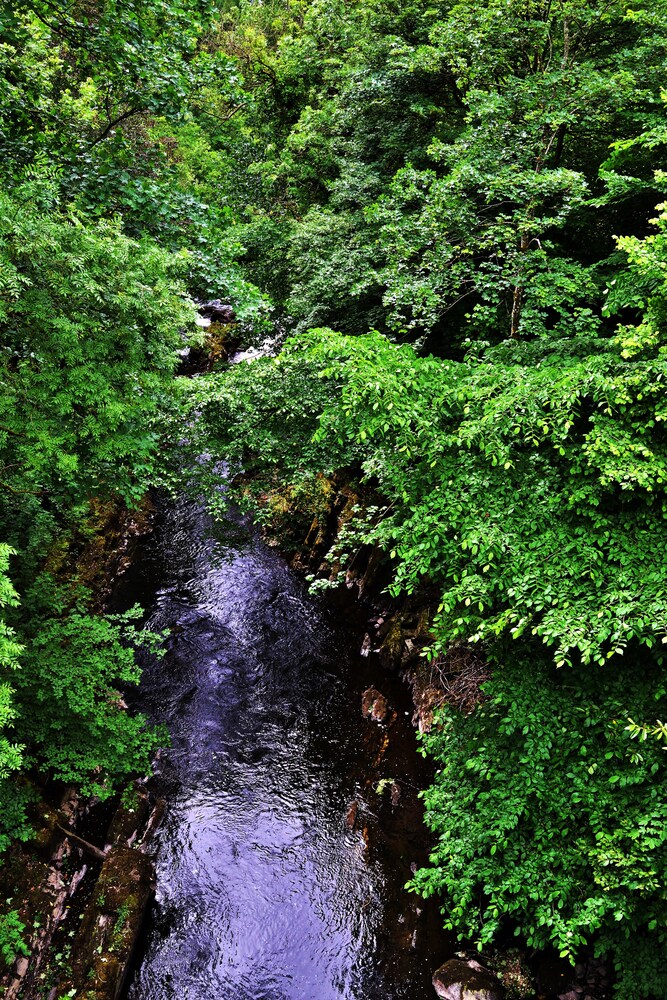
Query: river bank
x: 354, y: 791
x: 78, y: 930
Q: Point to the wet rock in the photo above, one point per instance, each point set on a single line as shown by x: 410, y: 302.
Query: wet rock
x: 130, y: 817
x: 570, y: 995
x: 391, y: 649
x: 458, y: 980
x: 217, y: 311
x: 369, y: 579
x: 427, y: 695
x: 155, y: 819
x: 395, y: 794
x: 351, y: 815
x: 374, y: 705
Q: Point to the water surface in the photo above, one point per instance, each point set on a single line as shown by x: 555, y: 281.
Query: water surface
x: 279, y: 867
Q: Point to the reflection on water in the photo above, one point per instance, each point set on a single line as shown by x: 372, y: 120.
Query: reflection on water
x: 265, y: 892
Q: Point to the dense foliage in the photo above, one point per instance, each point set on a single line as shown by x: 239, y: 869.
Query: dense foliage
x: 91, y: 325
x: 577, y: 854
x: 505, y: 486
x: 453, y: 208
x: 503, y: 477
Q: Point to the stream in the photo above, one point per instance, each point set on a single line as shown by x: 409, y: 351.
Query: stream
x: 280, y: 869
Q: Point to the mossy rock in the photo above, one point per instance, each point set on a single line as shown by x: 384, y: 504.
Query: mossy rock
x: 393, y: 645
x: 125, y: 872
x: 111, y: 924
x: 130, y: 817
x: 47, y: 833
x: 220, y: 341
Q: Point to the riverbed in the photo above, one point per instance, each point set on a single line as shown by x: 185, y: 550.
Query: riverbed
x: 292, y: 821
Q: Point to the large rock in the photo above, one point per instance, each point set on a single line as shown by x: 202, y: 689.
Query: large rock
x: 103, y: 947
x: 374, y: 705
x: 217, y: 311
x: 457, y: 980
x: 392, y: 645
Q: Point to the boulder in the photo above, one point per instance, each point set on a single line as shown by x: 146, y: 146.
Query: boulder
x: 374, y: 705
x: 217, y: 311
x: 111, y: 921
x: 458, y: 980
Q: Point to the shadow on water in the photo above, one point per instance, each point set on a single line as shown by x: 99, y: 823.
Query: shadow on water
x: 279, y: 866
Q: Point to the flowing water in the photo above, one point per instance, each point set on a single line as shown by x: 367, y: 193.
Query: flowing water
x: 279, y: 866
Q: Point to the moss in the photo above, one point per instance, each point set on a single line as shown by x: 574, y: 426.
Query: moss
x: 46, y: 833
x: 393, y: 644
x: 298, y: 517
x: 123, y: 874
x: 221, y: 340
x: 91, y: 557
x: 105, y: 546
x: 130, y: 816
x: 514, y: 974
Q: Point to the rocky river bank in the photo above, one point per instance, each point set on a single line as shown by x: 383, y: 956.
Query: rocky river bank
x: 307, y: 706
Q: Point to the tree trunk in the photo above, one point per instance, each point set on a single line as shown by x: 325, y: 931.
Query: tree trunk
x: 517, y: 295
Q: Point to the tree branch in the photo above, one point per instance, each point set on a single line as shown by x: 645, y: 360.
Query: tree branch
x: 116, y: 121
x: 90, y: 848
x: 32, y: 493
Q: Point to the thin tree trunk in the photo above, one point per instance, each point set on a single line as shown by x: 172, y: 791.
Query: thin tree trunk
x: 517, y: 295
